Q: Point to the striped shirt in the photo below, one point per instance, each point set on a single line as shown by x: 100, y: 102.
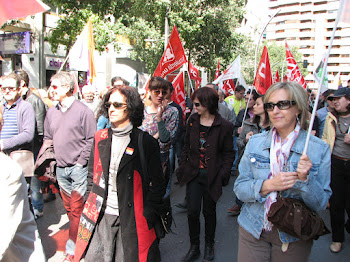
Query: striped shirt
x: 10, y: 127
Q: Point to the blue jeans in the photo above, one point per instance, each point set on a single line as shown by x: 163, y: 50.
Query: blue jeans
x: 234, y: 165
x: 175, y: 150
x: 37, y: 196
x: 73, y: 182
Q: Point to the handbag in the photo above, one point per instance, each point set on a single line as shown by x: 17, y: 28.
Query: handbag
x: 165, y: 218
x: 25, y: 159
x: 293, y: 217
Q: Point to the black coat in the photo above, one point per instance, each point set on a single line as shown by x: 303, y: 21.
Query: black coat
x: 219, y: 154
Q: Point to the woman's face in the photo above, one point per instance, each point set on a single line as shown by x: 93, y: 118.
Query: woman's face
x: 341, y: 104
x: 199, y: 108
x: 283, y: 120
x: 117, y: 110
x: 258, y: 108
x: 158, y: 95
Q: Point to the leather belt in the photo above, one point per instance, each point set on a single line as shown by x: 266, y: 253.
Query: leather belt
x: 341, y: 158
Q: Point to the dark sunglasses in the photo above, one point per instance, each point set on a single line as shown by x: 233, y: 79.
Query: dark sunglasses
x: 10, y: 88
x: 197, y: 104
x: 282, y: 105
x: 157, y: 92
x: 331, y: 98
x: 116, y: 105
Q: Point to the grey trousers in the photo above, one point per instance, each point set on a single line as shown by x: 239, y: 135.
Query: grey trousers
x: 106, y: 243
x: 269, y: 248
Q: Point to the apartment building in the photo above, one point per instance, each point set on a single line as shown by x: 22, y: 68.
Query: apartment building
x: 308, y: 24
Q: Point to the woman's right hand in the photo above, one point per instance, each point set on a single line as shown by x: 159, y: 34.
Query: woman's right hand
x: 280, y: 182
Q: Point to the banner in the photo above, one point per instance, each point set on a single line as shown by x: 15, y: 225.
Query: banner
x: 229, y: 87
x: 179, y: 92
x: 217, y: 73
x: 293, y: 71
x: 318, y: 74
x: 263, y: 78
x: 194, y: 74
x: 81, y: 55
x: 173, y: 56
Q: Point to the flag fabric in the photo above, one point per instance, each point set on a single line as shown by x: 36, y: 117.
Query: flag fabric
x: 81, y: 55
x: 173, y: 56
x: 285, y: 78
x: 276, y: 78
x: 263, y: 77
x: 194, y: 74
x: 318, y: 75
x: 229, y: 87
x: 293, y: 71
x: 232, y: 72
x: 337, y: 82
x: 179, y: 92
x: 217, y: 73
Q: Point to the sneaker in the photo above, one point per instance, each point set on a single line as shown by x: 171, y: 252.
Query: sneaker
x: 235, y: 210
x: 38, y: 213
x: 68, y: 258
x: 335, y: 247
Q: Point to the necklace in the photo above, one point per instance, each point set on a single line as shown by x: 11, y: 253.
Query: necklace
x: 344, y: 124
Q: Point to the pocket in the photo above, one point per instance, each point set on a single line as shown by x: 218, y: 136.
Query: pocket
x: 259, y: 162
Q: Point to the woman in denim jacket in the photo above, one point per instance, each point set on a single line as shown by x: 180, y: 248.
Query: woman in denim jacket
x: 273, y: 162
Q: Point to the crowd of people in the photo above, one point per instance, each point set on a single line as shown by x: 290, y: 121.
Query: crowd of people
x: 112, y: 157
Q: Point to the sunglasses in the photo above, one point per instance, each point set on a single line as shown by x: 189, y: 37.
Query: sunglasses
x: 10, y: 88
x: 282, y: 105
x: 197, y: 104
x: 116, y: 105
x: 157, y: 92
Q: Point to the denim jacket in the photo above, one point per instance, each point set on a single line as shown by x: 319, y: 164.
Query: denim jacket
x: 255, y: 167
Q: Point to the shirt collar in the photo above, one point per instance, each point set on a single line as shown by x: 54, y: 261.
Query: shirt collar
x: 66, y: 103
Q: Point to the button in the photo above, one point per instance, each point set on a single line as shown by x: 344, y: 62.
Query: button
x: 129, y: 204
x: 129, y: 177
x: 253, y: 160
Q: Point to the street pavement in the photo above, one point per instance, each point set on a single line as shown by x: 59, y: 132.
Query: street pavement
x: 54, y: 224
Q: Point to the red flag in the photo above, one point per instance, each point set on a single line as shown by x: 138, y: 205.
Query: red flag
x: 194, y: 74
x: 285, y: 78
x: 217, y: 73
x: 263, y: 78
x: 179, y: 92
x: 293, y: 71
x: 276, y: 78
x: 173, y: 56
x: 229, y: 87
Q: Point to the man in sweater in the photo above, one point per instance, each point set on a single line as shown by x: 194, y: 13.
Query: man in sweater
x: 71, y: 126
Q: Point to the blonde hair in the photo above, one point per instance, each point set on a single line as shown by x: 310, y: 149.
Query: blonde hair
x: 296, y: 93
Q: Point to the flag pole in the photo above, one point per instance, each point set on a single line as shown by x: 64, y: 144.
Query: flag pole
x: 322, y: 78
x: 246, y: 107
x: 189, y: 78
x: 64, y: 62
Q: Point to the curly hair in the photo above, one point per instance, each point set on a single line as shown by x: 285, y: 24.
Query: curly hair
x: 208, y: 98
x: 134, y: 105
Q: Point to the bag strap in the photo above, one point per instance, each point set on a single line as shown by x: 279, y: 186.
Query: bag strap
x: 142, y: 158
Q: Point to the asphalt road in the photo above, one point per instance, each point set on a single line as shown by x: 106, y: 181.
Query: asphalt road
x: 174, y: 246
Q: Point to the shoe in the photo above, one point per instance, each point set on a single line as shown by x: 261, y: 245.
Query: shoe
x: 38, y: 213
x: 68, y: 258
x: 182, y: 205
x: 192, y: 254
x: 50, y: 197
x: 208, y: 252
x: 335, y: 247
x: 235, y: 210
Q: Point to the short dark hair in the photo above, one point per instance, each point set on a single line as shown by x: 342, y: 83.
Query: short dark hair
x: 118, y: 78
x: 23, y: 76
x: 255, y: 94
x: 208, y: 98
x: 170, y: 86
x: 15, y: 77
x: 134, y: 105
x: 239, y: 88
x: 157, y: 83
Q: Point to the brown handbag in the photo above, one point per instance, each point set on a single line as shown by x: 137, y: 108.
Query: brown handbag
x: 25, y: 159
x: 293, y: 217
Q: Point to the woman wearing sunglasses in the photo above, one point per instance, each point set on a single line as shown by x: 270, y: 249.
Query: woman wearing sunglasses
x: 205, y: 167
x: 337, y: 135
x: 121, y: 209
x: 273, y: 163
x: 161, y: 120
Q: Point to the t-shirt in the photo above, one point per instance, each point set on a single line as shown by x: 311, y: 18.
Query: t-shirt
x: 234, y: 104
x: 203, y: 132
x: 342, y: 149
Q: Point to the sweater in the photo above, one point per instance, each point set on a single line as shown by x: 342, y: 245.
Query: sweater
x: 72, y: 133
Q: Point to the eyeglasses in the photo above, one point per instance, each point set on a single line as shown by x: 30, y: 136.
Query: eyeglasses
x: 197, y: 104
x: 157, y: 92
x: 10, y: 88
x: 282, y: 105
x: 116, y: 105
x: 331, y: 98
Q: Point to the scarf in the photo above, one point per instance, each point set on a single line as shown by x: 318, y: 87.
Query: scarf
x: 279, y: 154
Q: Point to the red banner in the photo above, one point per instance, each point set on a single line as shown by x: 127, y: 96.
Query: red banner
x: 263, y: 78
x: 217, y: 73
x: 179, y: 92
x: 276, y: 78
x: 293, y: 71
x: 194, y: 74
x: 229, y: 87
x: 173, y: 56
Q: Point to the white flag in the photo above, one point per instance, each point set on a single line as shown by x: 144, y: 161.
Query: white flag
x: 232, y: 72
